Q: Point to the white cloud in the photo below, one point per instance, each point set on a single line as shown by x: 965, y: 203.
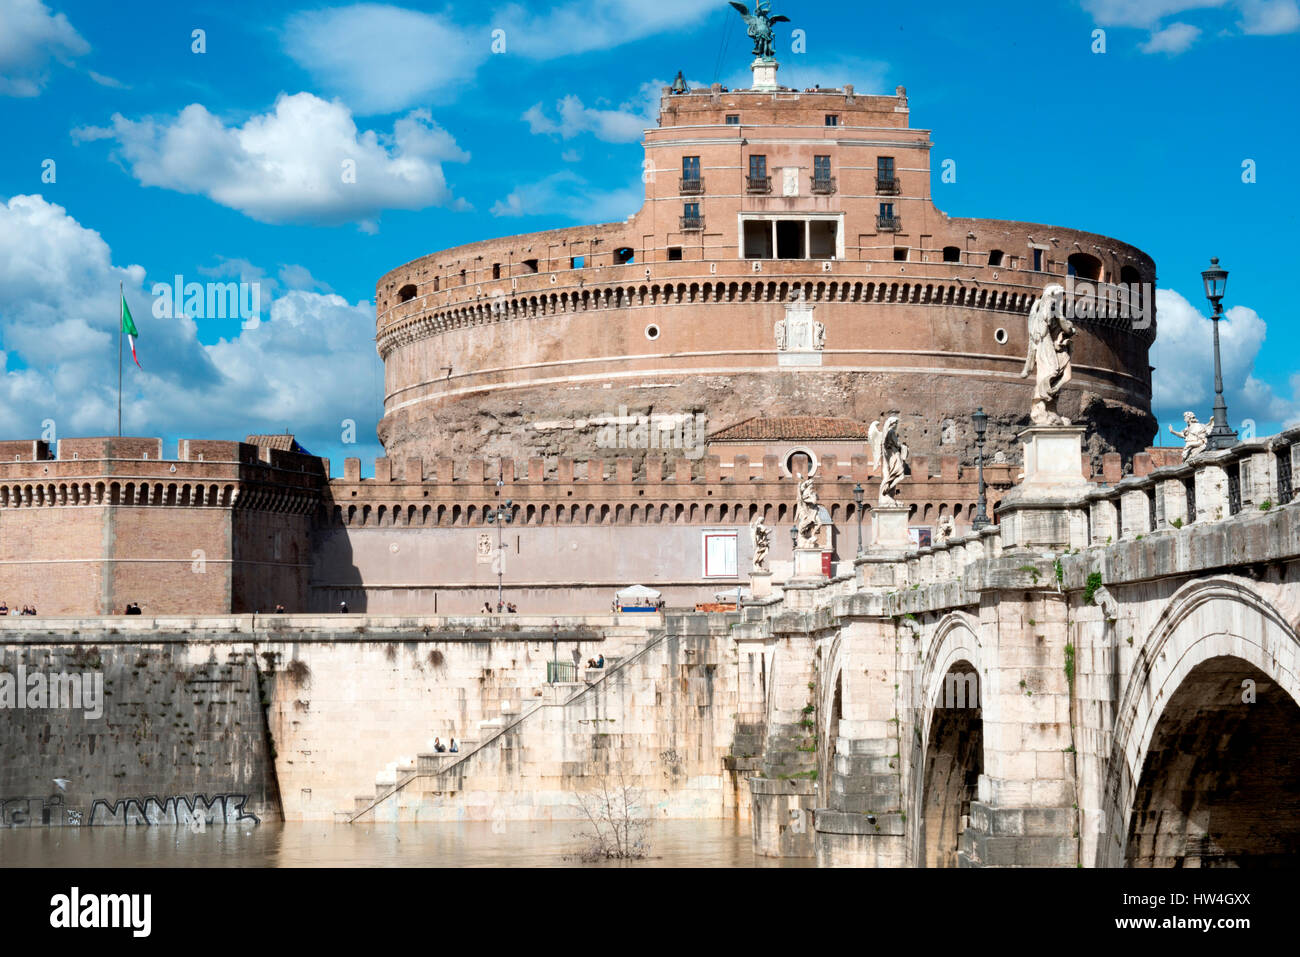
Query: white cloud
x: 581, y: 27
x: 1173, y: 39
x: 1256, y: 17
x: 308, y: 366
x: 1184, y: 359
x: 1141, y: 13
x: 568, y: 195
x: 291, y: 164
x: 383, y: 58
x: 625, y: 124
x: 32, y: 36
x: 1269, y: 17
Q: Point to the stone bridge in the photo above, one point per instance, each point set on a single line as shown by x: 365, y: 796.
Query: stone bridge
x: 1108, y: 677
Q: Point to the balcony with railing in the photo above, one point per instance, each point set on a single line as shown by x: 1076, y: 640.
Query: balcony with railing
x: 692, y: 185
x: 888, y: 224
x: 758, y: 184
x: 823, y: 185
x: 692, y: 223
x: 888, y: 185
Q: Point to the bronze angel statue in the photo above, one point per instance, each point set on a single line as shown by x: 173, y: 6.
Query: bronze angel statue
x: 889, y: 455
x: 759, y: 25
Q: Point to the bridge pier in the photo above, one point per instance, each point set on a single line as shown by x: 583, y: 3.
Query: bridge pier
x: 784, y: 792
x: 860, y: 820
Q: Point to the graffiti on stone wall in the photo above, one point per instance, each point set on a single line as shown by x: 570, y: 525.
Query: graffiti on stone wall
x: 37, y: 812
x: 195, y: 813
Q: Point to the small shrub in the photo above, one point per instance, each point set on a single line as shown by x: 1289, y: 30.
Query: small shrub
x: 1090, y: 588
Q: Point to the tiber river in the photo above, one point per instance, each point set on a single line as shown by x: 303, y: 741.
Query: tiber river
x: 515, y: 844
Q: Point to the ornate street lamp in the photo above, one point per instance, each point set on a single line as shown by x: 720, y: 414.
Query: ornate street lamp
x: 1216, y: 283
x: 857, y: 502
x: 794, y: 537
x: 981, y: 420
x: 500, y: 516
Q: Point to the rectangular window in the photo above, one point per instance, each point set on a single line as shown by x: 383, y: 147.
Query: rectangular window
x: 690, y: 167
x: 821, y: 167
x: 674, y: 254
x: 789, y: 239
x: 821, y: 239
x: 1038, y: 260
x: 720, y: 554
x: 691, y: 210
x: 530, y: 265
x: 900, y: 254
x: 577, y: 262
x: 733, y: 119
x: 436, y: 283
x: 886, y: 210
x: 884, y: 167
x: 757, y: 167
x: 496, y: 270
x: 832, y: 119
x: 758, y: 239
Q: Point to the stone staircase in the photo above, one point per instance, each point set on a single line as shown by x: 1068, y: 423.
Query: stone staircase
x: 430, y: 766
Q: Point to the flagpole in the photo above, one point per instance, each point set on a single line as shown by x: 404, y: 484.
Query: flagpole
x: 120, y: 295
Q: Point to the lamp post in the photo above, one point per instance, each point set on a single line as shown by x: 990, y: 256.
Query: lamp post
x: 857, y: 502
x: 981, y: 419
x: 1216, y: 283
x: 499, y: 516
x: 794, y: 538
x: 555, y: 652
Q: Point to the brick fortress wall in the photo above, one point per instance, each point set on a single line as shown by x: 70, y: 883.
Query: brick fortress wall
x: 231, y: 527
x: 224, y: 527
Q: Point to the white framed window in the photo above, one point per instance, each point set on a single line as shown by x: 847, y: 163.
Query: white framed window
x: 719, y: 553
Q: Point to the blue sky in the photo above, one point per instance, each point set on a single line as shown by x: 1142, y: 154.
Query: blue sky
x: 224, y: 164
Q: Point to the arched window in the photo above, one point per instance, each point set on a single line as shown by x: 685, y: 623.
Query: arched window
x: 1083, y: 266
x: 952, y: 254
x: 995, y: 257
x: 406, y: 293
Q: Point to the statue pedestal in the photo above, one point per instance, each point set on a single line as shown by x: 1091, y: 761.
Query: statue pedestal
x: 808, y: 565
x: 764, y: 74
x: 881, y: 563
x: 1053, y: 457
x: 1047, y: 509
x: 889, y: 527
x: 760, y: 583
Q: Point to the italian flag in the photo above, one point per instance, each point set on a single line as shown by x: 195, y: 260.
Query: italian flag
x: 129, y: 330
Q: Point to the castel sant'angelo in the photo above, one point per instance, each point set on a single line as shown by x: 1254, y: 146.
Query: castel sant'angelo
x: 638, y: 392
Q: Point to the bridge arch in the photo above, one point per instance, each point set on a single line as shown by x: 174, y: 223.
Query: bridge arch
x: 948, y: 752
x: 1184, y: 781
